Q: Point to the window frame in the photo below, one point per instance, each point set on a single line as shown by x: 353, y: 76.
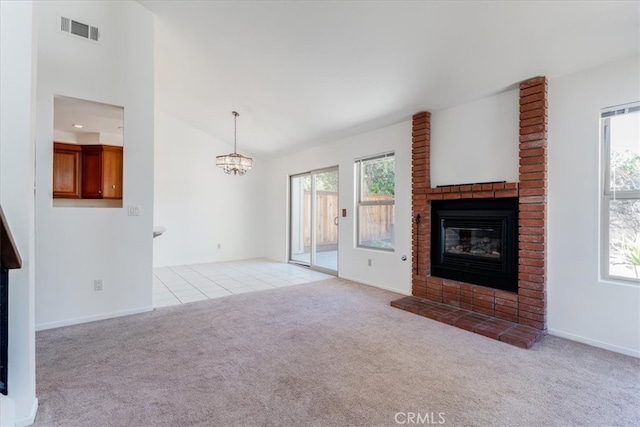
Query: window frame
x: 363, y: 203
x: 608, y: 194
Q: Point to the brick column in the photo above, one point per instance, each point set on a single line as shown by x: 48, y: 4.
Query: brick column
x: 420, y: 182
x: 532, y: 301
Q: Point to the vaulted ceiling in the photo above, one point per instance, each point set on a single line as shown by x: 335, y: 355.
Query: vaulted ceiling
x: 308, y: 72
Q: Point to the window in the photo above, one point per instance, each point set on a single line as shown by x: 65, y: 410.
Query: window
x: 376, y: 201
x: 620, y: 128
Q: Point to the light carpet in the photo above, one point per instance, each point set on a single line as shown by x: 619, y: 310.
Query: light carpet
x: 328, y: 353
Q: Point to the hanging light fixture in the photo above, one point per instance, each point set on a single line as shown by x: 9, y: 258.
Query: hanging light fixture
x: 234, y: 163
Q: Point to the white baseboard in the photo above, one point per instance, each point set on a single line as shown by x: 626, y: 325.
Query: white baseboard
x: 78, y: 320
x: 595, y: 343
x: 376, y: 285
x: 29, y: 419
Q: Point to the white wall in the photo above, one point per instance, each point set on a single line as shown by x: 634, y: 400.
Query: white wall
x: 198, y: 203
x: 17, y: 92
x: 88, y: 138
x: 77, y: 245
x: 62, y: 136
x: 476, y: 142
x: 388, y: 270
x: 581, y: 306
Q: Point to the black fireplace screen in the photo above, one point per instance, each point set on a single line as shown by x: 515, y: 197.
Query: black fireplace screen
x: 479, y: 242
x: 476, y: 241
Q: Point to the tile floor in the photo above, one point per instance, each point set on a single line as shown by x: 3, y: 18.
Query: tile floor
x: 188, y: 283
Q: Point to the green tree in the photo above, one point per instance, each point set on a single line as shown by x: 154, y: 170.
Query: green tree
x: 625, y: 171
x: 379, y: 176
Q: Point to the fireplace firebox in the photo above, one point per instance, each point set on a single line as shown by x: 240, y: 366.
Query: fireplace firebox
x: 476, y: 241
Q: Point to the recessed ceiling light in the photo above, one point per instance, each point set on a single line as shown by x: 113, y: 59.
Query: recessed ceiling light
x: 77, y: 126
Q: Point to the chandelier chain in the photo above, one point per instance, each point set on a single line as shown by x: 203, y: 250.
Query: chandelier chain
x: 235, y: 130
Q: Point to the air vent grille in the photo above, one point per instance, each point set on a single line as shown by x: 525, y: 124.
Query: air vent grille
x: 65, y: 24
x: 94, y: 33
x: 79, y: 29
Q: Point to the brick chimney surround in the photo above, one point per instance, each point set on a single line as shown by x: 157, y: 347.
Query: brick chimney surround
x: 515, y: 318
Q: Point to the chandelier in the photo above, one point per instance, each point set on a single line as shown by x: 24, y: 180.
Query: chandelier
x: 234, y: 163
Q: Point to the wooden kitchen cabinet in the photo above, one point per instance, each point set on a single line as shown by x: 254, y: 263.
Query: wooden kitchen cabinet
x: 66, y: 170
x: 101, y: 172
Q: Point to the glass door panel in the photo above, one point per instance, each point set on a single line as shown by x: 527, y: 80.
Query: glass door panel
x: 326, y: 219
x: 301, y: 219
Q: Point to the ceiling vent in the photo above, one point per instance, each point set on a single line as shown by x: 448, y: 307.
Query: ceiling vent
x: 79, y: 29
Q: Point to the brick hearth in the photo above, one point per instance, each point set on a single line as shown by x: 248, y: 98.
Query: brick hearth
x: 527, y: 307
x: 502, y: 330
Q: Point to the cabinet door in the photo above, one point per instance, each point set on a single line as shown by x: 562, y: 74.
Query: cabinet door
x: 66, y: 170
x: 91, y: 174
x: 112, y: 173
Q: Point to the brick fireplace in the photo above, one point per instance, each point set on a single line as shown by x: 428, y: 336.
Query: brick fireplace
x: 515, y: 312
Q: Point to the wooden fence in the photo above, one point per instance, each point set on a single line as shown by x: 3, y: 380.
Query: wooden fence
x: 327, y: 211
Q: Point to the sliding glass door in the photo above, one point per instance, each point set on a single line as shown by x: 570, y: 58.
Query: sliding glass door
x: 314, y: 220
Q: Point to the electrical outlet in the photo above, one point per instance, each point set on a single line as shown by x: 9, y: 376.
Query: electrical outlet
x: 97, y: 285
x: 369, y: 262
x: 134, y: 210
